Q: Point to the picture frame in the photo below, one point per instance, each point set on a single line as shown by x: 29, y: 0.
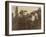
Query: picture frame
x: 11, y: 6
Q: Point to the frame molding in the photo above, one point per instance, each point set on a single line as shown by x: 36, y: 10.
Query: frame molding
x: 7, y: 17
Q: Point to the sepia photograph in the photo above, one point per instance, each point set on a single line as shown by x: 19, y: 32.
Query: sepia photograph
x: 24, y: 18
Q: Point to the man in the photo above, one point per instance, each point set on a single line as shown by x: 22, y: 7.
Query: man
x: 34, y: 19
x: 21, y: 20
